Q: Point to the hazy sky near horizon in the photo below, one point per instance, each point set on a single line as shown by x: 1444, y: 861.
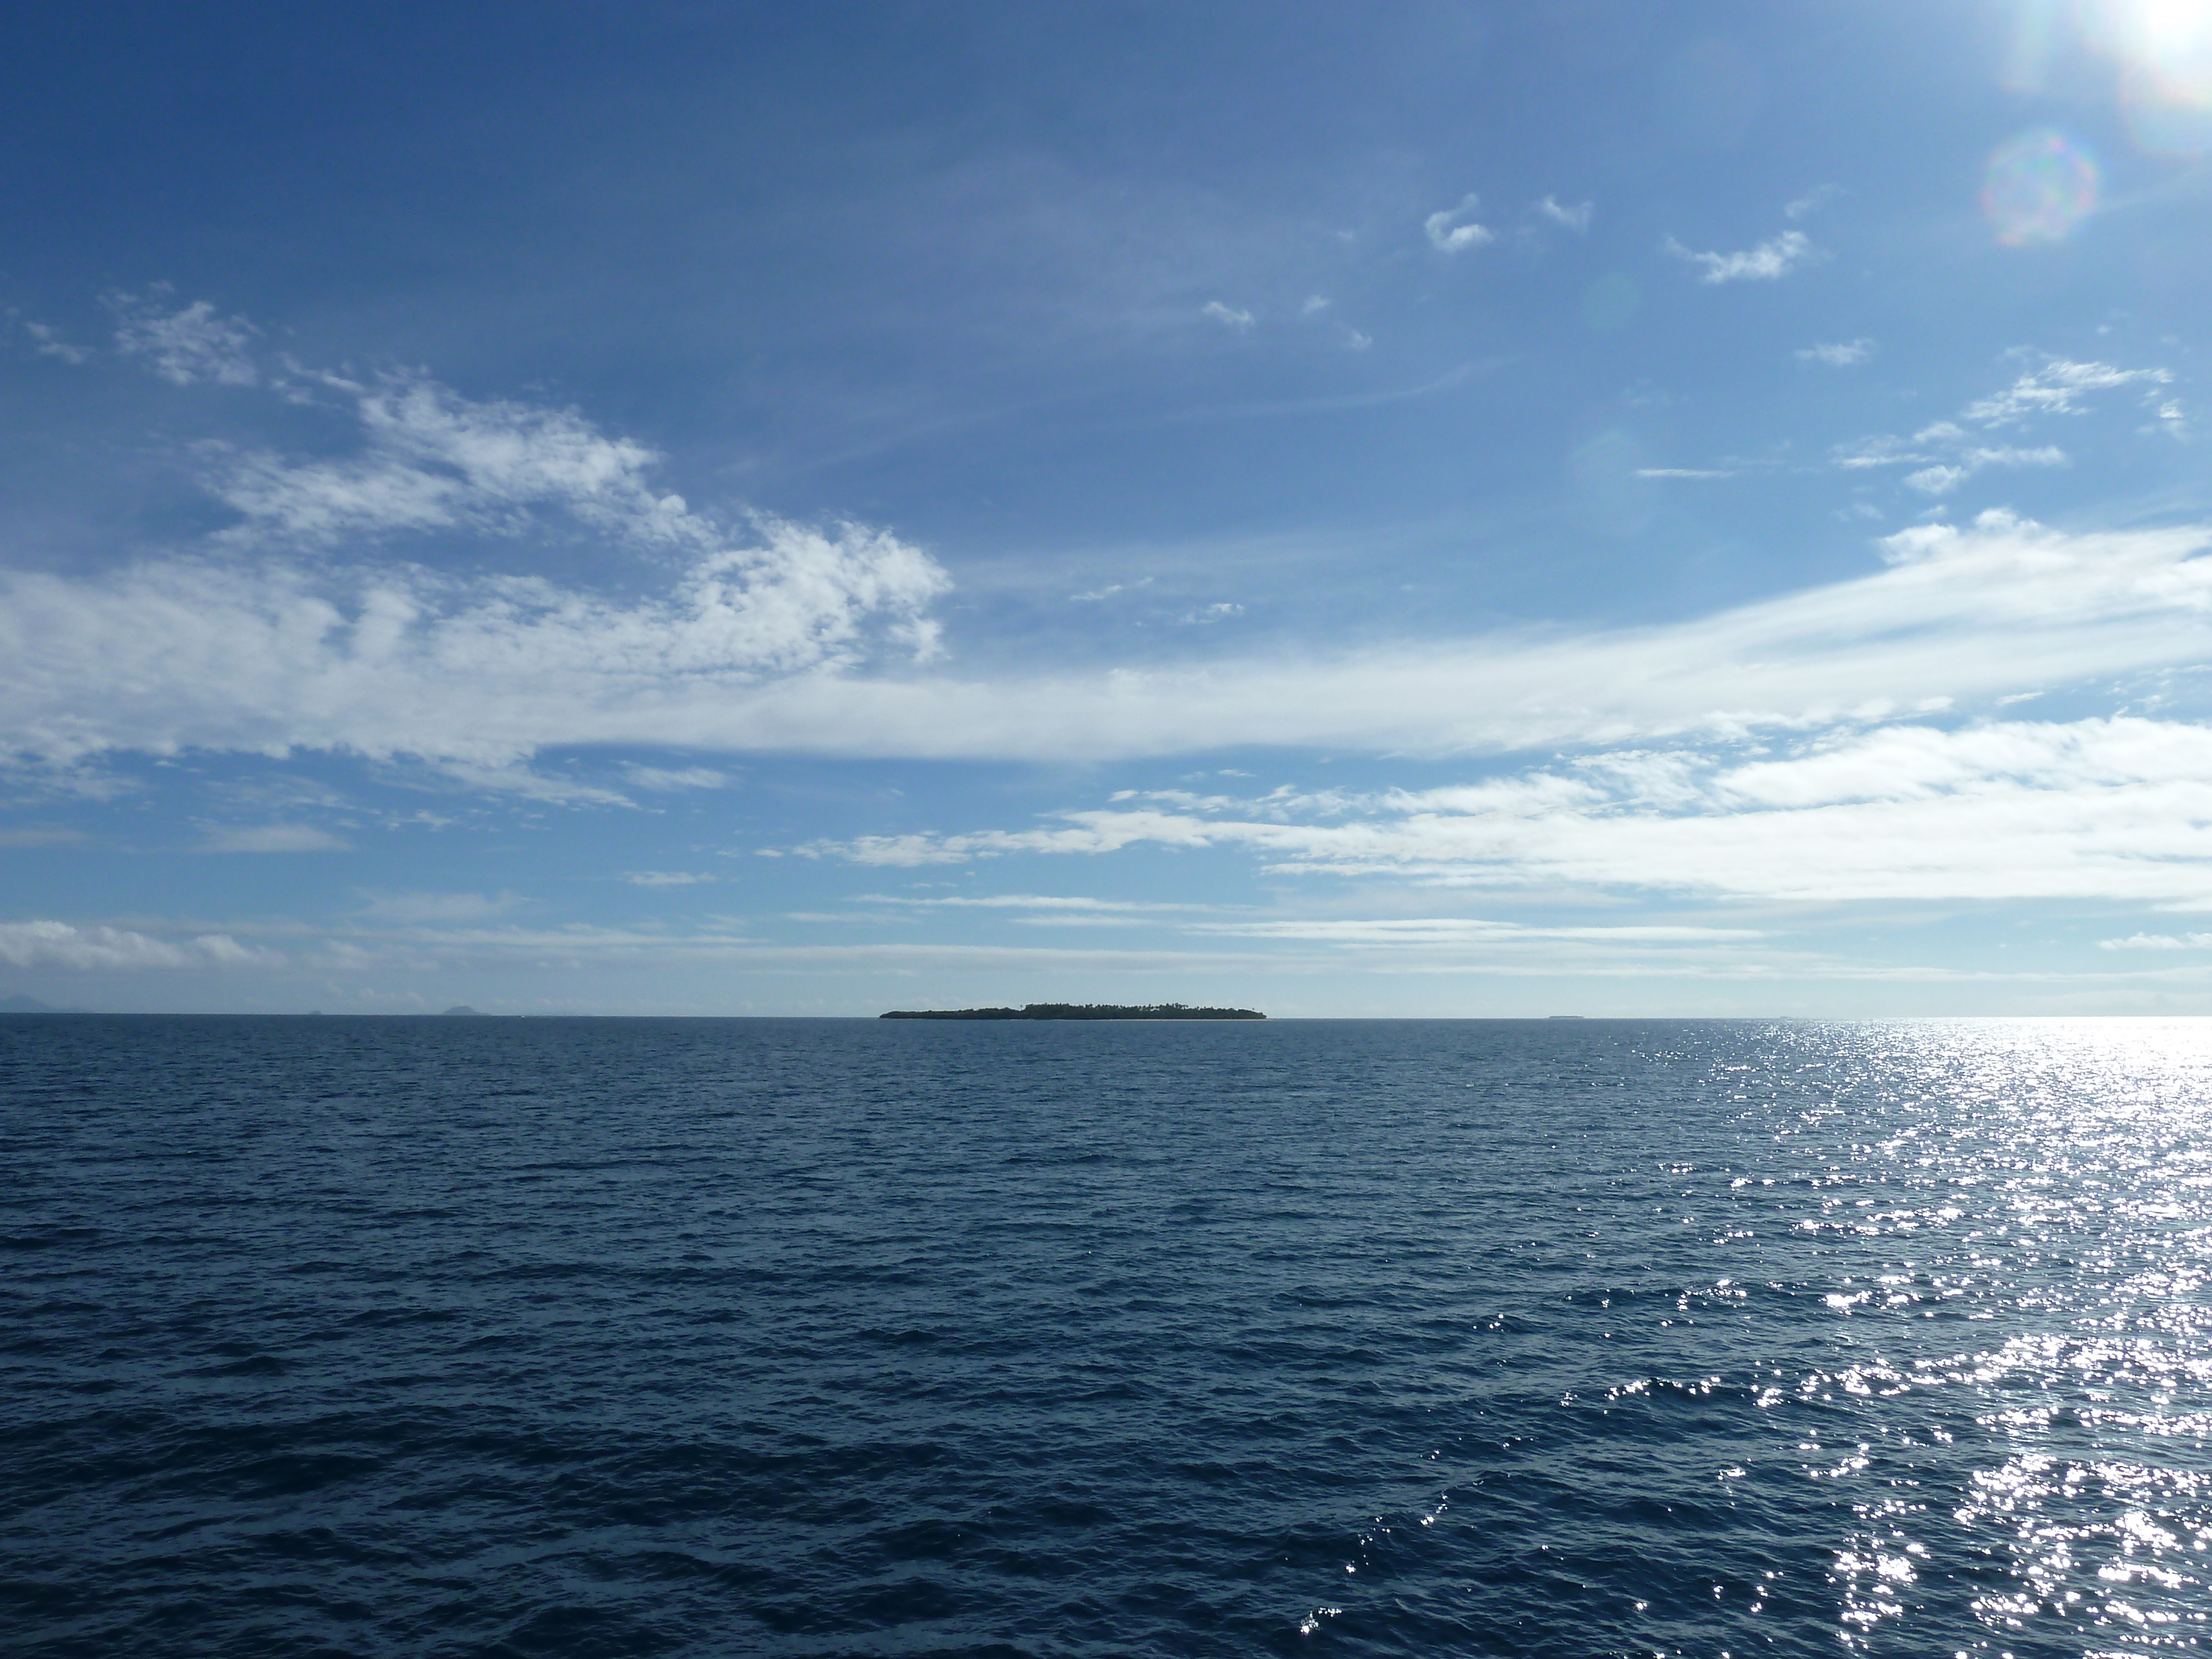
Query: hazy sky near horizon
x: 1418, y: 508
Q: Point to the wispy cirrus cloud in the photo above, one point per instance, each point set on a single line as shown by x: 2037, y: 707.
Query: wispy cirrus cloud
x: 1098, y: 595
x: 1205, y: 615
x: 2158, y: 942
x: 430, y: 459
x: 49, y: 342
x: 1770, y: 260
x: 1944, y: 477
x: 200, y: 653
x: 305, y: 628
x: 664, y: 780
x: 1947, y: 454
x: 1575, y: 217
x: 1838, y: 353
x: 268, y: 636
x: 42, y: 943
x: 1859, y: 454
x: 271, y: 838
x: 1455, y: 229
x: 2058, y: 388
x: 1402, y: 932
x: 2105, y: 810
x: 185, y: 344
x: 768, y: 649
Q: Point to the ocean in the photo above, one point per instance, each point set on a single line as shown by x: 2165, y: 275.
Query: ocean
x: 443, y: 1336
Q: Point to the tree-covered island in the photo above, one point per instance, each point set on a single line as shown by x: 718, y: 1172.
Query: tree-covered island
x: 1080, y: 1011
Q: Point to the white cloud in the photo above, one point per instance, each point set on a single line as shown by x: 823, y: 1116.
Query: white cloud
x: 1576, y: 217
x: 1108, y: 592
x: 60, y: 945
x: 665, y: 878
x: 2157, y: 942
x: 667, y: 780
x: 1863, y: 453
x: 50, y: 343
x: 512, y: 776
x: 1776, y: 256
x: 271, y: 838
x: 1840, y: 353
x: 1229, y: 316
x: 1936, y: 480
x: 2006, y: 455
x: 2098, y: 810
x: 1220, y: 611
x: 1398, y: 933
x: 1811, y: 202
x: 1942, y: 480
x: 188, y: 652
x: 1683, y: 473
x: 187, y: 344
x: 759, y: 651
x: 431, y: 459
x: 1315, y: 305
x: 419, y: 949
x: 1454, y: 230
x: 2056, y: 389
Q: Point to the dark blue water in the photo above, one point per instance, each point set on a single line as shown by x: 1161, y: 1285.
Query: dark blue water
x: 497, y: 1337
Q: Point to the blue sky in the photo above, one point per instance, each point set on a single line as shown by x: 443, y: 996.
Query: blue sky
x: 1429, y: 509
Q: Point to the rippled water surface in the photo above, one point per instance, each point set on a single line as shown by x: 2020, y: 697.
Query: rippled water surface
x: 443, y: 1336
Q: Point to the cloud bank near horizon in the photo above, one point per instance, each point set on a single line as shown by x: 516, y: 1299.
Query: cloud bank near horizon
x: 2107, y: 810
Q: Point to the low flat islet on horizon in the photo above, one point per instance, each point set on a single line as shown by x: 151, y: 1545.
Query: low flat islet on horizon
x: 1080, y: 1011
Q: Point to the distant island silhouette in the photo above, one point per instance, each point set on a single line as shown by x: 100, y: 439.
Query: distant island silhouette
x: 1080, y: 1011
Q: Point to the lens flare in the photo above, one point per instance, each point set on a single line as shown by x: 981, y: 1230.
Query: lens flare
x: 2040, y: 185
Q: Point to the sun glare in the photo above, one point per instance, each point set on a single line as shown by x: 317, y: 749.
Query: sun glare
x: 2164, y: 51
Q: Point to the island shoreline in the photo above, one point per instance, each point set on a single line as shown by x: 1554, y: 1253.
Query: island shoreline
x: 1078, y: 1011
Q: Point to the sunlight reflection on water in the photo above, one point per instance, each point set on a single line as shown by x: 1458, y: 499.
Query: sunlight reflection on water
x: 2060, y: 1167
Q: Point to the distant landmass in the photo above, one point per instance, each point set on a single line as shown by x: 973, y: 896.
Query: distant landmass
x: 463, y: 1008
x: 1080, y: 1011
x: 28, y: 1006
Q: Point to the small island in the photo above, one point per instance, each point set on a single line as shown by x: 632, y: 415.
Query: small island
x: 1080, y: 1011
